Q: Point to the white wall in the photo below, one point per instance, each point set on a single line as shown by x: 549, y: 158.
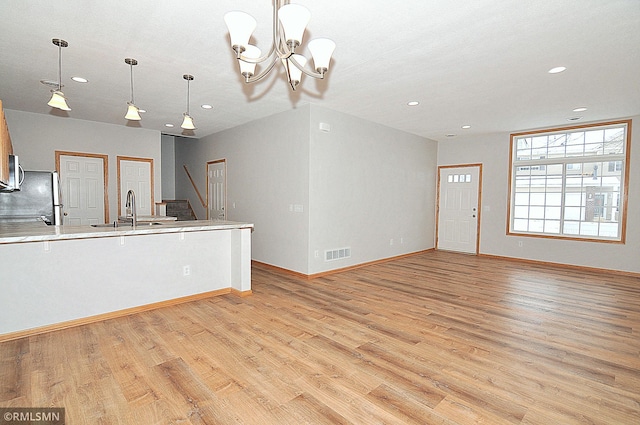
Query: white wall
x: 267, y: 172
x: 360, y: 185
x: 369, y: 185
x: 492, y: 150
x: 168, y: 167
x: 36, y: 137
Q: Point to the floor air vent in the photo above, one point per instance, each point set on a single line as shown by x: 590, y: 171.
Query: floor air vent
x: 337, y: 254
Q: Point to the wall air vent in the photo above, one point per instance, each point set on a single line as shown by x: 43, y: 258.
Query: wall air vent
x: 337, y: 254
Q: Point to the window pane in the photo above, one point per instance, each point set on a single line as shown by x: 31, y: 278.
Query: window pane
x: 552, y: 226
x: 571, y: 227
x: 609, y: 230
x: 573, y: 213
x: 589, y: 229
x: 552, y: 213
x: 521, y: 212
x: 536, y: 226
x: 537, y: 199
x: 522, y: 198
x: 573, y: 199
x: 554, y: 169
x: 594, y: 136
x: 523, y: 147
x: 520, y: 225
x: 593, y: 149
x: 554, y: 199
x: 536, y: 212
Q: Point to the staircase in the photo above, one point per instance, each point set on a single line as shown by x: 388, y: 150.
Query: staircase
x: 180, y: 209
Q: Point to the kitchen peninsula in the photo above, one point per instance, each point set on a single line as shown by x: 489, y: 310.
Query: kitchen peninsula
x: 53, y: 277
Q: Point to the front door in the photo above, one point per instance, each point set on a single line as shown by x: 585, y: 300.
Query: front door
x: 458, y: 208
x: 82, y: 186
x: 216, y: 190
x: 136, y: 174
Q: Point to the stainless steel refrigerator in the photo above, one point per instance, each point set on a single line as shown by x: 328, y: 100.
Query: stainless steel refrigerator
x: 38, y: 199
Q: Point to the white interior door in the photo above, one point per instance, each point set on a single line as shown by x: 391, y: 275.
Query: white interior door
x: 458, y: 209
x: 216, y: 190
x: 137, y: 175
x: 82, y: 186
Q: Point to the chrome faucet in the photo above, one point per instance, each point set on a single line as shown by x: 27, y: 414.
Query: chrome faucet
x: 130, y: 204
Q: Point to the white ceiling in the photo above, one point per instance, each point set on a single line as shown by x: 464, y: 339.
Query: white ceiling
x: 482, y: 63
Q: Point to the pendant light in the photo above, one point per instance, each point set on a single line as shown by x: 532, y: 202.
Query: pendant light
x: 133, y: 112
x: 57, y: 97
x: 187, y: 122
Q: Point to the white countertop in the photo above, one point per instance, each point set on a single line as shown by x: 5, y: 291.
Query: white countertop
x: 38, y: 231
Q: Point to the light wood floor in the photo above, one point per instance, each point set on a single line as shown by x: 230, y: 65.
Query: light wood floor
x: 435, y: 338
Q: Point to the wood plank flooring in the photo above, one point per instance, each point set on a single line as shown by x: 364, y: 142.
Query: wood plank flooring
x: 435, y: 338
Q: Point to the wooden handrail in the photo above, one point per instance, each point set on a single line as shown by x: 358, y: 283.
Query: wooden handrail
x: 204, y: 205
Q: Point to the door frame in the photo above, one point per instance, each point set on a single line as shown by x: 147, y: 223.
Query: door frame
x: 105, y: 171
x: 216, y: 161
x: 119, y: 159
x: 479, y: 215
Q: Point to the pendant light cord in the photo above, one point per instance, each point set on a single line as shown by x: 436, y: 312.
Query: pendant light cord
x: 131, y: 68
x: 188, y: 82
x: 59, y: 67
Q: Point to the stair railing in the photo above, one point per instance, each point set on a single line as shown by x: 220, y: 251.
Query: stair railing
x: 204, y: 204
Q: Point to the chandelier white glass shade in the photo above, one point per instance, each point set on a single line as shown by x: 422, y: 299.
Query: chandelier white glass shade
x: 133, y: 112
x: 57, y: 97
x: 289, y: 24
x: 187, y: 121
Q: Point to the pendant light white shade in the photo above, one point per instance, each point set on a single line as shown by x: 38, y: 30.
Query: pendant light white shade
x: 241, y: 26
x: 294, y: 19
x: 247, y: 69
x: 133, y: 112
x: 58, y: 101
x: 321, y: 50
x: 187, y: 122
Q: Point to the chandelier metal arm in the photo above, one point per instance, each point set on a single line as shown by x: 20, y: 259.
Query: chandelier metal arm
x: 318, y: 75
x: 264, y: 72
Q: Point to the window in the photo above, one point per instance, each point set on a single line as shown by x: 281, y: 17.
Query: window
x: 570, y: 182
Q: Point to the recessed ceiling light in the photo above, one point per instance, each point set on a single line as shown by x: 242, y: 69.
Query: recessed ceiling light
x: 168, y: 125
x: 581, y: 109
x: 557, y: 69
x: 80, y: 79
x: 450, y: 135
x: 413, y: 103
x: 574, y: 118
x: 466, y: 126
x: 206, y: 106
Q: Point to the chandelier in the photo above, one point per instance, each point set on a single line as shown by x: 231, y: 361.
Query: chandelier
x: 289, y: 23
